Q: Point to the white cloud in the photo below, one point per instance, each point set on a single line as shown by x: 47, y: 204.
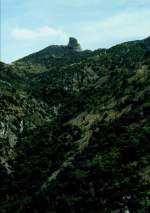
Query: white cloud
x: 121, y: 27
x: 125, y: 26
x: 40, y: 33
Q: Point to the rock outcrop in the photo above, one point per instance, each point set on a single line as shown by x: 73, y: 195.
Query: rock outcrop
x: 74, y: 45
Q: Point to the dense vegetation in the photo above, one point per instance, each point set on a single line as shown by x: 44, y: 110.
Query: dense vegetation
x: 75, y: 131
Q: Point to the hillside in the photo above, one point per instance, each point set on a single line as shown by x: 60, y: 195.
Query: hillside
x: 75, y: 130
x: 53, y: 56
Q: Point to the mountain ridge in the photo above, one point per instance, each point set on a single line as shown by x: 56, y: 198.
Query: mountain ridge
x: 74, y: 135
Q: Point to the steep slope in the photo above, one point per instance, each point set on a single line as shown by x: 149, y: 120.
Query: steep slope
x: 19, y: 110
x: 71, y: 79
x: 88, y: 148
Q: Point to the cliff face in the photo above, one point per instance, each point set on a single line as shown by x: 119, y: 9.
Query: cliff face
x: 74, y: 130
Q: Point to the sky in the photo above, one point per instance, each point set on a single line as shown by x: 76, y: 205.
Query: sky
x: 31, y: 25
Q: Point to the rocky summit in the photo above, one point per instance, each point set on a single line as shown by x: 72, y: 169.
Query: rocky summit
x: 75, y: 130
x: 73, y: 44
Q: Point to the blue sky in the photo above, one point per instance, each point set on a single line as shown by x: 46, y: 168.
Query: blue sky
x: 30, y: 25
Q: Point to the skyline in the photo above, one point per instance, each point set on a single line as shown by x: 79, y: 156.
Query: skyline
x: 29, y: 26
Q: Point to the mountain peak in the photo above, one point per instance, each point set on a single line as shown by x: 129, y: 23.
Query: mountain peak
x: 73, y: 44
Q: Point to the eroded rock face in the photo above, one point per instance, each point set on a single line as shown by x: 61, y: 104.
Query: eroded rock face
x: 8, y: 140
x: 74, y: 45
